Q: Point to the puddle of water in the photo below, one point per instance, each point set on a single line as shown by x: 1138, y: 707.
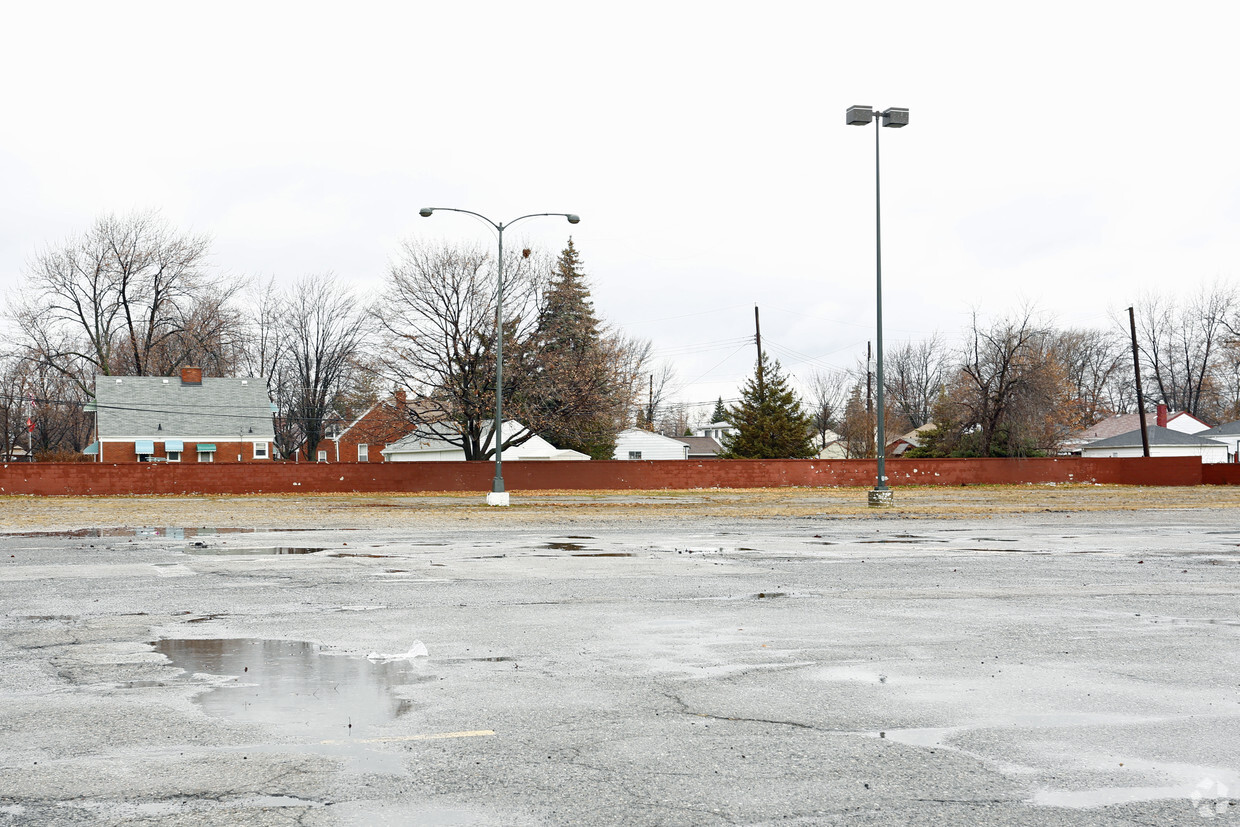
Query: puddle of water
x: 496, y: 659
x: 295, y: 687
x: 766, y: 595
x: 604, y: 554
x: 564, y: 546
x: 266, y: 550
x: 172, y: 532
x: 354, y: 554
x: 1205, y: 788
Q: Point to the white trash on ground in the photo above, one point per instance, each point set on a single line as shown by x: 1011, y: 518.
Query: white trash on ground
x: 417, y: 650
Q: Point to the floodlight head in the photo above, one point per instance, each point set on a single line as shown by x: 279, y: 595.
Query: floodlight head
x: 574, y: 219
x: 859, y: 115
x: 425, y: 212
x: 895, y: 117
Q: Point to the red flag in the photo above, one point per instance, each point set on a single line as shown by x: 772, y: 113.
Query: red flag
x: 30, y: 424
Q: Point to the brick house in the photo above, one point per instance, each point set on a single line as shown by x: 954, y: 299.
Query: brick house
x: 386, y: 421
x: 186, y: 418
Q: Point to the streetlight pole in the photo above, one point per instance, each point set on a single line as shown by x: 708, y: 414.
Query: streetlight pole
x: 895, y: 117
x: 498, y: 495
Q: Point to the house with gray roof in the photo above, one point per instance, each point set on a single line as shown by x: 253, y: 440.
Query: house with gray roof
x: 701, y: 447
x: 1164, y: 442
x: 1181, y: 421
x: 185, y: 418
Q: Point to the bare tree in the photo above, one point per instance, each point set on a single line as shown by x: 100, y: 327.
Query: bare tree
x: 1099, y: 367
x: 631, y: 359
x: 118, y: 297
x: 325, y: 332
x: 1010, y: 395
x: 1181, y: 346
x: 437, y: 325
x: 913, y: 381
x: 828, y: 396
x: 14, y: 395
x: 654, y: 392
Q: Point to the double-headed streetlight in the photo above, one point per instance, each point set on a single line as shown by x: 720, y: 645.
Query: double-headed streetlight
x: 861, y: 116
x: 498, y: 495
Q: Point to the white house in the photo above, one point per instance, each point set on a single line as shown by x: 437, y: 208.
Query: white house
x: 1229, y: 435
x: 420, y: 447
x: 635, y: 443
x: 1164, y: 442
x: 715, y: 430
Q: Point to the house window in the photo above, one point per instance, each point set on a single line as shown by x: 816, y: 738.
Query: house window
x: 635, y: 454
x: 260, y: 450
x: 322, y: 456
x: 206, y: 456
x: 144, y: 457
x: 363, y: 452
x: 173, y: 456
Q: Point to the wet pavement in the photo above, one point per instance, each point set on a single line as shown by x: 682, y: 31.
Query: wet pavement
x: 1040, y: 669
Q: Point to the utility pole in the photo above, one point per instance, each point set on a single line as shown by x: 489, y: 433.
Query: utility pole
x: 1136, y: 366
x: 650, y: 408
x: 757, y: 337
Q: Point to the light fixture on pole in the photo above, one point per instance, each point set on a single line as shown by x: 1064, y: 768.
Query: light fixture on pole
x: 895, y: 117
x: 498, y: 495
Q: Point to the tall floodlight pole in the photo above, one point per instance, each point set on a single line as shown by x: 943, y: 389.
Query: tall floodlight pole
x: 895, y: 117
x: 498, y: 495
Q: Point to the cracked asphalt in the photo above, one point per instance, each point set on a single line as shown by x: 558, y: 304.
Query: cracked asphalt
x: 630, y: 659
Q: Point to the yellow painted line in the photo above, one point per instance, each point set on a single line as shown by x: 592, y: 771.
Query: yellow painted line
x: 428, y: 737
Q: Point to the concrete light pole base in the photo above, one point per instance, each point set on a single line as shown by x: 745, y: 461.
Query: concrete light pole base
x: 881, y: 498
x: 497, y: 498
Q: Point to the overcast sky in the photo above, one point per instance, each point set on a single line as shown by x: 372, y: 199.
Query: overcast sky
x: 1072, y: 156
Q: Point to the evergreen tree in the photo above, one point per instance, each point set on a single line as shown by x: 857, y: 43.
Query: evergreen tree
x: 721, y: 413
x: 575, y: 391
x: 768, y: 419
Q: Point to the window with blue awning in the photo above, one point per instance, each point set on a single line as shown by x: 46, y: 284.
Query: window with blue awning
x: 174, y: 445
x: 205, y: 447
x: 144, y: 446
x: 93, y: 448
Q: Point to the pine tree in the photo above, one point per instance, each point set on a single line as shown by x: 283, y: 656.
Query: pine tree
x: 768, y: 419
x: 721, y: 413
x: 574, y: 392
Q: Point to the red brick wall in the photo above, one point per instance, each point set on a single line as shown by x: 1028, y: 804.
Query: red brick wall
x: 1218, y: 473
x: 288, y: 477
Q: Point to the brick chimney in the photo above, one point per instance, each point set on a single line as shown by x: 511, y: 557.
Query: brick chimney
x: 191, y: 376
x: 1161, y: 420
x: 400, y: 398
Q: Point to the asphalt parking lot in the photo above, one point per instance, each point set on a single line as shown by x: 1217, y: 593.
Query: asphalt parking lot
x: 632, y: 660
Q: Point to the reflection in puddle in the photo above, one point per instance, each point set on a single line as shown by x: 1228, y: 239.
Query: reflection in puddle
x: 296, y: 687
x: 258, y: 551
x: 173, y: 532
x: 565, y: 546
